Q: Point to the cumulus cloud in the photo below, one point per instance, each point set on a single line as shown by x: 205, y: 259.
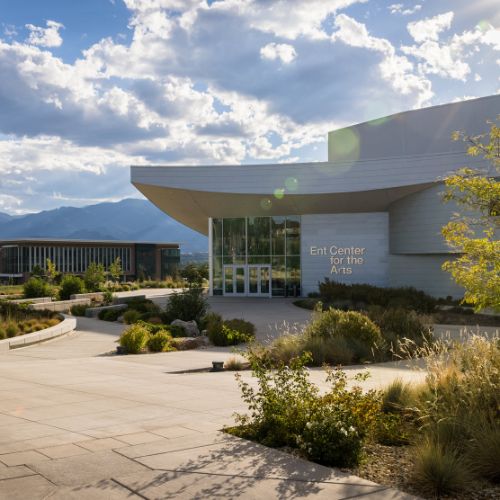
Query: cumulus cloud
x: 233, y: 81
x: 430, y: 28
x: 45, y: 37
x: 282, y: 51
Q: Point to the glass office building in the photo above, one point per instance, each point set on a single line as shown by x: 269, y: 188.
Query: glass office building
x: 153, y: 261
x: 256, y: 256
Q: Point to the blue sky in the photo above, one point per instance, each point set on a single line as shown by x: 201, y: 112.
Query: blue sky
x: 89, y: 87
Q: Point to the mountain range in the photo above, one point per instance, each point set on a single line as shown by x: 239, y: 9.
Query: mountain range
x: 129, y: 219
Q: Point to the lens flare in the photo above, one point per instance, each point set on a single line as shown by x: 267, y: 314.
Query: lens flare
x: 343, y: 145
x: 279, y: 193
x: 266, y: 204
x: 291, y: 183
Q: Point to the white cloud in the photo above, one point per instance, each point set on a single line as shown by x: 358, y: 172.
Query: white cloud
x: 45, y: 37
x: 397, y: 70
x: 282, y: 51
x: 430, y: 28
x: 399, y: 8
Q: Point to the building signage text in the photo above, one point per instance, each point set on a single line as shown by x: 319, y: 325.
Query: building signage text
x: 342, y: 259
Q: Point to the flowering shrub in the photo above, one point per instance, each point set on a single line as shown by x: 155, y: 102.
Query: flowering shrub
x: 287, y: 409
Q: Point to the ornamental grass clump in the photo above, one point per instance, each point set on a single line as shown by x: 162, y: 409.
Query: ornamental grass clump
x: 458, y: 415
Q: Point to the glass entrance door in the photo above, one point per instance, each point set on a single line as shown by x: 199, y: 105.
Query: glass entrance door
x: 234, y: 280
x: 259, y: 281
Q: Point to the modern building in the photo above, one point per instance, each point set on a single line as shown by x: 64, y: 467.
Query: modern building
x: 138, y: 260
x: 372, y: 213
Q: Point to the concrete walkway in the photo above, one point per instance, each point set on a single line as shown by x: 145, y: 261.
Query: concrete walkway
x: 76, y: 422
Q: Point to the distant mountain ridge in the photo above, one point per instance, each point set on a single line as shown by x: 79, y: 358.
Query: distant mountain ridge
x: 129, y: 219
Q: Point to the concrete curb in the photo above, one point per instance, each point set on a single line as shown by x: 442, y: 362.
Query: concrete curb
x: 66, y: 326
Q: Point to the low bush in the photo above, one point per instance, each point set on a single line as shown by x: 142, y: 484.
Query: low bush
x: 131, y: 316
x: 70, y: 285
x: 187, y: 306
x: 36, y: 287
x: 160, y: 342
x: 110, y: 314
x: 362, y: 295
x: 3, y: 333
x: 354, y: 331
x: 229, y: 332
x: 286, y: 409
x: 134, y: 339
x: 78, y: 310
x: 396, y: 325
x: 242, y: 326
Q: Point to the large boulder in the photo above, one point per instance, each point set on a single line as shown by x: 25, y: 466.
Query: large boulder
x: 190, y: 327
x: 185, y: 343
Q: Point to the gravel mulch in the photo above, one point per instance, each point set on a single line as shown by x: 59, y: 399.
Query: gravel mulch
x: 392, y: 466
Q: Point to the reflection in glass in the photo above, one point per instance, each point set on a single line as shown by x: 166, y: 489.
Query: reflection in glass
x: 252, y: 280
x: 278, y: 235
x: 264, y: 280
x: 259, y: 235
x: 278, y: 276
x: 228, y: 279
x: 293, y: 235
x: 240, y: 280
x: 234, y: 239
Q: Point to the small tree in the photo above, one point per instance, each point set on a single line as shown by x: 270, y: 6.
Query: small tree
x: 115, y: 269
x: 191, y: 273
x: 51, y: 271
x: 71, y: 285
x: 37, y: 272
x: 475, y: 236
x: 94, y: 276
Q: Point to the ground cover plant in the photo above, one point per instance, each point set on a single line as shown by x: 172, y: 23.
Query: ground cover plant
x: 17, y: 320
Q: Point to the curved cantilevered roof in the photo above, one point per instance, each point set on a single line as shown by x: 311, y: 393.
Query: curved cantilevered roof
x: 370, y: 166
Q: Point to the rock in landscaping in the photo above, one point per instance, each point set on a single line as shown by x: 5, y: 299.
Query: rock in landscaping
x: 186, y: 343
x: 190, y: 327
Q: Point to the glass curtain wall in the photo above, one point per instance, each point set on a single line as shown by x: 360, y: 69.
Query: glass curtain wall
x: 259, y: 240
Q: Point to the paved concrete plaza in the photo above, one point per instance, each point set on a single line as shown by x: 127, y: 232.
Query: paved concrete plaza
x: 78, y: 422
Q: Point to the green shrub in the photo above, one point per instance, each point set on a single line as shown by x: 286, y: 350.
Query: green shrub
x: 160, y: 341
x: 143, y: 306
x: 187, y: 306
x: 12, y: 329
x: 134, y: 339
x: 107, y: 297
x: 364, y: 294
x: 78, y: 310
x: 286, y: 409
x: 241, y: 326
x: 398, y: 324
x: 225, y: 336
x: 36, y: 287
x: 110, y: 314
x: 439, y: 471
x: 131, y: 316
x: 94, y: 277
x: 358, y: 332
x: 328, y: 439
x: 3, y: 333
x: 70, y: 285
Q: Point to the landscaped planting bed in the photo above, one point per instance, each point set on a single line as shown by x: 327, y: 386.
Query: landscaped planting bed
x: 438, y: 439
x: 17, y: 319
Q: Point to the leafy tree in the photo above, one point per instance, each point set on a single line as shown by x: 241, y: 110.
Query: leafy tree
x: 475, y: 235
x: 115, y: 269
x: 37, y: 271
x: 51, y: 272
x: 194, y: 274
x: 94, y: 276
x: 71, y: 285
